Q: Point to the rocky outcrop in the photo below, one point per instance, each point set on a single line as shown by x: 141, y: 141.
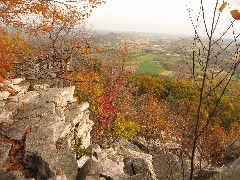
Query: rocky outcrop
x: 126, y: 161
x: 58, y: 126
x: 229, y: 172
x: 123, y: 161
x: 57, y: 123
x: 47, y: 136
x: 170, y: 166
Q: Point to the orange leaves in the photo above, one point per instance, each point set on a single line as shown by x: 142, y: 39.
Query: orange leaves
x: 235, y: 14
x: 24, y: 107
x: 230, y: 105
x: 86, y: 51
x: 5, y: 69
x: 1, y: 79
x: 13, y: 47
x: 45, y: 28
x: 223, y: 6
x: 99, y: 50
x: 82, y: 77
x: 8, y: 89
x: 61, y: 11
x: 218, y: 140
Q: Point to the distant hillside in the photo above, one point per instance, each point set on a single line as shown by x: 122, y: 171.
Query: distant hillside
x: 111, y: 38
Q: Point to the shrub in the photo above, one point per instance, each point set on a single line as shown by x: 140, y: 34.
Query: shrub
x: 123, y: 129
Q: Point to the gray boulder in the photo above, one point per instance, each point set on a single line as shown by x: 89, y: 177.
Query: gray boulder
x: 123, y: 161
x: 169, y: 166
x: 57, y: 123
x: 229, y: 172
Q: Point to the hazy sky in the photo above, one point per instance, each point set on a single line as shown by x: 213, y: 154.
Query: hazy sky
x: 160, y: 16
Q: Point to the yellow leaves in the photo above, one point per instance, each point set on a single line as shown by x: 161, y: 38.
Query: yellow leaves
x: 16, y: 46
x: 83, y: 86
x: 147, y: 84
x: 96, y: 78
x: 97, y: 90
x: 13, y: 47
x: 123, y: 129
x: 235, y: 14
x: 89, y: 51
x: 84, y: 50
x: 230, y: 105
x: 85, y: 82
x: 223, y: 6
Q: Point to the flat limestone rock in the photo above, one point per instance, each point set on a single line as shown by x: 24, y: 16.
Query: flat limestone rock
x: 52, y: 113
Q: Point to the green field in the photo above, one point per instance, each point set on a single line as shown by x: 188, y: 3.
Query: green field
x: 144, y: 57
x: 150, y: 62
x: 149, y: 67
x: 138, y: 54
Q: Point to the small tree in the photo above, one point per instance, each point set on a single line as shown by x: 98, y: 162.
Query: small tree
x: 38, y: 17
x: 211, y: 71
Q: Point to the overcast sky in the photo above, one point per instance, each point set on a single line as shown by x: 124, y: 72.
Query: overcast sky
x: 159, y: 16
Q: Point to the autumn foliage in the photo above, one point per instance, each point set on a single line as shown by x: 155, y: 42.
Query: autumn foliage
x: 14, y: 48
x: 34, y: 18
x: 122, y: 106
x: 39, y: 16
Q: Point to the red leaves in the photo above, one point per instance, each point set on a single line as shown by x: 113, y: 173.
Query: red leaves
x: 119, y: 84
x: 107, y: 106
